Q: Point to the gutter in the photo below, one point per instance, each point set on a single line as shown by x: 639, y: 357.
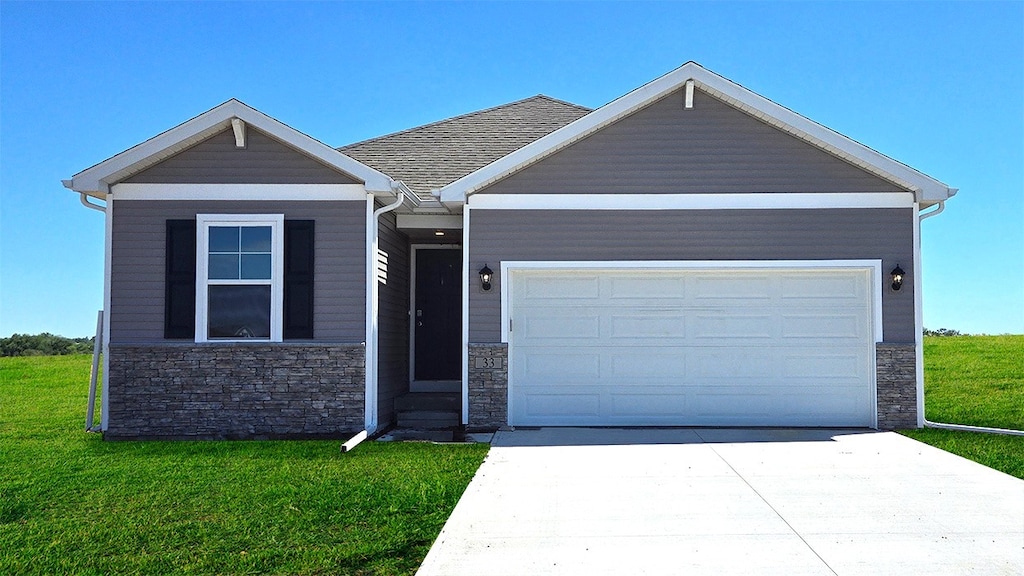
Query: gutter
x: 83, y: 197
x: 959, y: 427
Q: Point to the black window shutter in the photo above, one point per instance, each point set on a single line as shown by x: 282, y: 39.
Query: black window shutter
x: 180, y: 280
x: 298, y: 279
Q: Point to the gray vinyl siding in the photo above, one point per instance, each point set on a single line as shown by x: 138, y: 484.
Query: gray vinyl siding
x: 712, y: 148
x: 138, y: 253
x: 393, y: 320
x: 553, y: 235
x: 262, y: 161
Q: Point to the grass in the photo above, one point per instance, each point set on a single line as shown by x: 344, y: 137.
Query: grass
x: 979, y: 381
x: 73, y: 504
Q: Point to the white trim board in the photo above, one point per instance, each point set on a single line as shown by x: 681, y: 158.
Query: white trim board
x: 872, y: 266
x: 268, y: 192
x: 765, y: 201
x: 465, y: 317
x: 924, y: 187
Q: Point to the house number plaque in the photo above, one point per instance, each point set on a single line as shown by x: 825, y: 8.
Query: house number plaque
x: 487, y: 362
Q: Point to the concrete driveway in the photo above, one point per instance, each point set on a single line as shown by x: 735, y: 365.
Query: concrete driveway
x: 721, y: 501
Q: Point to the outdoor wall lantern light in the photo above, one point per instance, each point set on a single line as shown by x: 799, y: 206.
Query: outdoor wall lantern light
x: 897, y: 278
x: 485, y: 277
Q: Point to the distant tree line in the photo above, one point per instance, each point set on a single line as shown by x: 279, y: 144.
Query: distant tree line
x: 44, y: 344
x: 942, y: 332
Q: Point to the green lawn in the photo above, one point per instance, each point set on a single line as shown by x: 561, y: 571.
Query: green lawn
x: 976, y: 380
x: 73, y: 504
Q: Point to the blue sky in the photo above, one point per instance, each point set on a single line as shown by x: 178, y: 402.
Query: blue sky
x: 939, y: 86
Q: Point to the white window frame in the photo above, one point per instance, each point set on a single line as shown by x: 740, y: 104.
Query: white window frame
x: 203, y: 224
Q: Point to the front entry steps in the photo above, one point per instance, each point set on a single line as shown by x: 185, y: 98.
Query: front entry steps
x: 429, y: 410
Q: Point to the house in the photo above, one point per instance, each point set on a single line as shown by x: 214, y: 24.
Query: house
x: 689, y: 254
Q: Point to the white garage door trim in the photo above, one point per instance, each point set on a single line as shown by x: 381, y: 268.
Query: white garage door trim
x: 508, y: 270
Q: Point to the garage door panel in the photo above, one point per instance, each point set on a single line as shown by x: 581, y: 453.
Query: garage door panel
x: 718, y: 407
x: 549, y: 324
x: 837, y: 365
x: 634, y: 406
x: 730, y: 325
x: 556, y: 288
x: 656, y: 286
x: 625, y: 366
x: 557, y: 365
x: 665, y: 324
x: 692, y: 347
x: 834, y: 288
x: 546, y: 407
x: 824, y: 325
x: 746, y: 286
x: 730, y: 363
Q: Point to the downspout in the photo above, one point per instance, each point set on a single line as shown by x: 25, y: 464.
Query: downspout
x: 84, y: 198
x: 961, y: 427
x: 100, y: 340
x: 371, y: 346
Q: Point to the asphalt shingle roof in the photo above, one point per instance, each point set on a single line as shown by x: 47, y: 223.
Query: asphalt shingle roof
x: 431, y: 156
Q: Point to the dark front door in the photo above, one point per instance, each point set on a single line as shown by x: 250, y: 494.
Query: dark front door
x: 438, y: 314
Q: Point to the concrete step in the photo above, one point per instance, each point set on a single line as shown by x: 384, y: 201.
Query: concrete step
x: 428, y: 419
x: 446, y: 401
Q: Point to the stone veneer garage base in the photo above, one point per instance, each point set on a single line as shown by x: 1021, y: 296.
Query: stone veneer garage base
x: 235, y: 391
x: 896, y: 385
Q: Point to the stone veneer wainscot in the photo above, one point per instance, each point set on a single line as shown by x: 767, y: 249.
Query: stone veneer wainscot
x: 896, y: 384
x: 488, y: 387
x: 235, y: 391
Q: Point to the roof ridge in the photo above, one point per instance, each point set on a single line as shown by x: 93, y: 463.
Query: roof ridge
x: 462, y: 116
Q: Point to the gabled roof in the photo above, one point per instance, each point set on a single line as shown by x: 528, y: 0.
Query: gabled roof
x: 925, y: 188
x: 96, y: 180
x: 428, y: 157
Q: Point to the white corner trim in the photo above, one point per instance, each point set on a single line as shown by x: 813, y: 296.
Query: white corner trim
x: 925, y: 187
x: 465, y: 317
x: 763, y: 201
x: 429, y: 221
x: 873, y: 267
x: 268, y: 192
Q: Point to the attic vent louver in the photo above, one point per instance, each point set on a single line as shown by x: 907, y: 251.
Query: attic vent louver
x: 689, y: 94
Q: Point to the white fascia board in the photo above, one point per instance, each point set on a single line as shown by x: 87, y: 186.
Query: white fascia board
x: 429, y: 221
x: 924, y: 187
x: 96, y: 180
x: 872, y: 267
x: 764, y: 201
x: 267, y: 192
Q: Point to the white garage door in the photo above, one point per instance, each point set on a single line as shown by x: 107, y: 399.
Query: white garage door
x: 704, y: 347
